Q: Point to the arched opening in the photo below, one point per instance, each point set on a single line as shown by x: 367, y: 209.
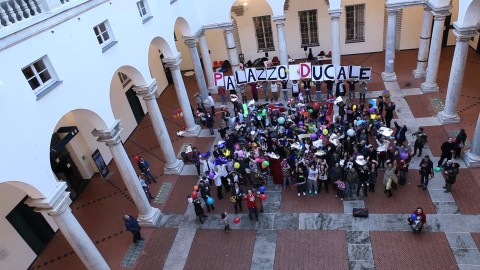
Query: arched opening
x: 182, y: 28
x: 158, y: 50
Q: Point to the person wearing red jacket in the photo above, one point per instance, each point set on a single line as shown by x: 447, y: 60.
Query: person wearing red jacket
x: 252, y: 207
x: 419, y: 215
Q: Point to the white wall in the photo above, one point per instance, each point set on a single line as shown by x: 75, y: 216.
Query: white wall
x: 20, y: 255
x: 411, y: 27
x: 216, y: 45
x: 156, y: 68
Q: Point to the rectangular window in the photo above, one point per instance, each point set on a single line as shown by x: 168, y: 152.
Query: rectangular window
x: 263, y: 31
x: 355, y: 23
x: 141, y: 8
x: 308, y: 27
x: 40, y: 76
x: 104, y: 35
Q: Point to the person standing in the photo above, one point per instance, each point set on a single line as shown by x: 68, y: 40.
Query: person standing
x: 237, y: 197
x: 318, y: 90
x: 400, y: 136
x: 312, y: 179
x: 197, y: 204
x: 223, y: 95
x: 286, y: 173
x: 252, y: 206
x: 448, y: 149
x: 351, y: 179
x: 363, y: 176
x: 322, y: 177
x: 307, y: 84
x: 211, y: 102
x: 390, y: 179
x: 330, y: 89
x: 295, y: 90
x: 225, y: 221
x: 205, y: 193
x: 300, y: 180
x: 254, y: 90
x: 426, y: 172
x: 380, y: 105
x: 199, y: 100
x: 243, y: 92
x: 144, y: 167
x: 146, y: 188
x: 285, y: 90
x: 265, y: 87
x: 209, y: 122
x: 340, y: 89
x: 363, y: 91
x: 451, y: 176
x: 460, y: 141
x: 196, y: 159
x: 274, y: 89
x: 389, y: 108
x: 131, y: 225
x: 420, y: 141
x: 351, y: 88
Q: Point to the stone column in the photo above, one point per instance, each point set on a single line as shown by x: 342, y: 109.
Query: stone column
x: 207, y: 61
x: 57, y: 205
x: 472, y: 156
x: 335, y: 17
x: 197, y: 66
x: 430, y: 84
x: 420, y: 71
x: 449, y: 114
x: 389, y: 74
x: 231, y: 47
x: 148, y: 216
x: 282, y: 41
x: 172, y: 164
x: 191, y: 129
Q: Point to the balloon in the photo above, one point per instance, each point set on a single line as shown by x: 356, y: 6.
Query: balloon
x: 236, y: 165
x: 237, y: 146
x: 262, y: 189
x: 413, y: 217
x: 194, y: 194
x: 181, y: 114
x: 266, y: 163
x: 236, y: 220
x: 281, y: 120
x: 300, y: 123
x: 316, y: 106
x: 403, y: 156
x: 437, y: 169
x: 195, y: 187
x: 210, y: 200
x: 351, y: 132
x: 286, y: 70
x: 386, y: 93
x: 325, y: 131
x: 263, y: 197
x: 263, y: 166
x: 240, y: 153
x: 322, y: 137
x: 354, y: 107
x: 211, y: 175
x: 310, y: 110
x: 313, y: 136
x: 371, y: 110
x: 259, y: 160
x: 179, y: 110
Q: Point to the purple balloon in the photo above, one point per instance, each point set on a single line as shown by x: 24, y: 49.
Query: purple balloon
x: 300, y: 123
x: 372, y: 110
x: 211, y: 175
x: 313, y: 136
x: 403, y: 156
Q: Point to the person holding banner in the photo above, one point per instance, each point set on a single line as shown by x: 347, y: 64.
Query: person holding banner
x: 318, y: 90
x: 363, y: 91
x: 351, y: 88
x: 243, y: 92
x: 265, y: 87
x: 295, y: 90
x: 285, y: 90
x: 274, y: 89
x: 306, y: 86
x: 254, y: 90
x: 340, y: 89
x: 330, y: 88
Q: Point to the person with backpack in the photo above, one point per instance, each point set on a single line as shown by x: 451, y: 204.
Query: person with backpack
x: 420, y: 141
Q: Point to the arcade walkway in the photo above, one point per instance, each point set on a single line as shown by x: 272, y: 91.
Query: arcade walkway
x: 296, y: 233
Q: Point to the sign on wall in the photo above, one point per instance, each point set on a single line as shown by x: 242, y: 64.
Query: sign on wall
x: 100, y: 163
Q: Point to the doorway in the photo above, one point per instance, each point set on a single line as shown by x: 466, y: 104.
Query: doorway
x: 446, y: 31
x: 31, y: 226
x: 135, y: 105
x: 168, y: 72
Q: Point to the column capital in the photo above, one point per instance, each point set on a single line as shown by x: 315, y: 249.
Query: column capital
x: 201, y: 33
x: 55, y: 204
x: 393, y: 9
x: 442, y: 9
x: 148, y: 92
x: 109, y: 136
x: 426, y: 8
x: 228, y: 27
x: 190, y: 41
x: 174, y: 62
x: 335, y: 13
x: 464, y: 33
x: 279, y: 20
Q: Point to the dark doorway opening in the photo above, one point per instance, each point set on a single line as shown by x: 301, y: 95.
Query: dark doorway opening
x: 135, y: 105
x: 31, y: 226
x: 446, y: 30
x: 168, y: 72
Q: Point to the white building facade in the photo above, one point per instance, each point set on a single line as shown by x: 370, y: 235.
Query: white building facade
x: 77, y: 66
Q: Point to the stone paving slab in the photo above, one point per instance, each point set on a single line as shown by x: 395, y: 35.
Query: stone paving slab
x: 264, y: 250
x: 156, y: 250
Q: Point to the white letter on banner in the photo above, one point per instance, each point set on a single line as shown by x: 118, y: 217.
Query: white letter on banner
x: 240, y: 77
x: 365, y: 73
x: 271, y: 74
x: 294, y: 72
x: 328, y: 72
x: 261, y: 74
x: 353, y: 72
x: 305, y: 70
x: 218, y: 79
x: 282, y: 73
x: 251, y: 75
x: 317, y: 73
x: 230, y: 82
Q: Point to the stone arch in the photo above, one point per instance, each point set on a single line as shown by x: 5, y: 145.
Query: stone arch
x: 31, y: 191
x: 183, y: 25
x: 469, y: 15
x: 163, y: 46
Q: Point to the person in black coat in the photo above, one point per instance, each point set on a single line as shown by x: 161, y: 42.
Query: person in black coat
x: 209, y: 123
x: 460, y: 141
x: 426, y: 171
x: 198, y: 207
x: 400, y: 133
x: 389, y: 108
x: 237, y: 192
x: 363, y: 177
x: 205, y: 194
x: 131, y: 224
x: 448, y: 148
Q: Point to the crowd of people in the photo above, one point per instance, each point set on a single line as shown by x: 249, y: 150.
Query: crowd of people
x: 315, y: 148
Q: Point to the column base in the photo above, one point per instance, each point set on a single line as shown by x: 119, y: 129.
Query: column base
x: 471, y: 160
x: 152, y: 219
x: 389, y: 77
x: 429, y: 87
x: 447, y: 119
x: 193, y: 132
x: 419, y: 74
x: 213, y: 90
x: 175, y: 168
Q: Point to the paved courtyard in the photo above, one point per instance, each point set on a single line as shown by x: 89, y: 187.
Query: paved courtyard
x: 317, y: 232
